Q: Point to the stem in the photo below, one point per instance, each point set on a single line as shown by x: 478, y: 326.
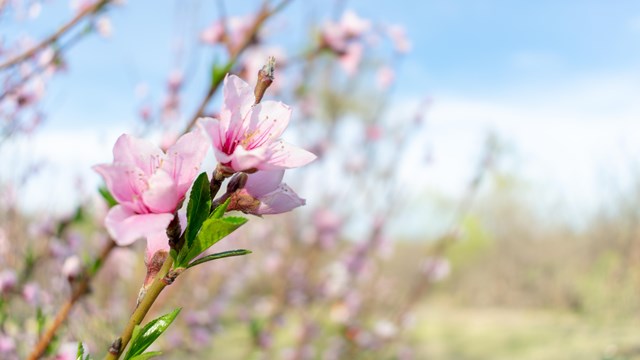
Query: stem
x: 141, y: 311
x: 80, y: 290
x: 55, y: 36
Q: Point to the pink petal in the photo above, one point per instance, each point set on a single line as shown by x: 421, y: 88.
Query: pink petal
x: 213, y: 128
x: 238, y: 99
x: 126, y: 227
x: 184, y: 159
x: 263, y: 182
x: 160, y: 241
x: 248, y: 159
x: 281, y: 200
x: 125, y: 182
x: 266, y: 122
x: 138, y: 152
x: 286, y: 156
x: 162, y: 195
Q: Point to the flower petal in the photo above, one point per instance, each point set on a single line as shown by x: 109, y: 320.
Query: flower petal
x: 238, y: 99
x: 125, y: 226
x: 184, y: 159
x: 138, y: 152
x: 162, y: 195
x: 243, y: 159
x: 281, y: 200
x: 213, y: 128
x: 286, y: 156
x: 125, y: 182
x: 263, y: 182
x: 265, y: 123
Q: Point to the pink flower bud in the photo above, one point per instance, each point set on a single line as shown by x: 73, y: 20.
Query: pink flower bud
x: 72, y: 267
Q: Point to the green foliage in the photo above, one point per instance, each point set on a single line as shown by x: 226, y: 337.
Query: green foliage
x: 197, y: 208
x: 213, y: 230
x: 219, y: 255
x: 80, y: 354
x: 106, y: 195
x: 218, y: 72
x: 145, y: 336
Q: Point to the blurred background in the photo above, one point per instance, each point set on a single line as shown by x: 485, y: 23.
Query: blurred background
x: 476, y: 195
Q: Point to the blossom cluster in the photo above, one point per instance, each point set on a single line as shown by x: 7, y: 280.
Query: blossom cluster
x: 150, y: 185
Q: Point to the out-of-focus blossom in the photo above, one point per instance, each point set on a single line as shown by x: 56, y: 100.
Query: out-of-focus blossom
x: 32, y: 294
x: 374, y: 132
x: 351, y: 57
x: 327, y: 225
x: 385, y: 77
x: 72, y: 267
x: 265, y: 194
x: 436, y: 269
x: 7, y: 345
x: 149, y: 184
x: 68, y: 351
x: 174, y: 82
x: 385, y: 329
x: 104, y: 27
x: 34, y: 10
x: 8, y: 281
x: 350, y: 26
x: 246, y: 135
x: 232, y: 30
x: 398, y: 36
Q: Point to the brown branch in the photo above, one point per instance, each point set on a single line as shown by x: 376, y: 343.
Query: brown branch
x: 81, y: 289
x: 55, y: 36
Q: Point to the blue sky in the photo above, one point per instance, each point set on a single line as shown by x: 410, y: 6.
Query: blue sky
x: 559, y: 80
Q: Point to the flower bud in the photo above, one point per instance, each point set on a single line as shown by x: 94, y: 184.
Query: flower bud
x: 72, y: 268
x: 265, y: 78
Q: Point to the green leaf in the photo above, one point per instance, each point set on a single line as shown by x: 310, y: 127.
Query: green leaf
x: 149, y: 333
x: 147, y: 355
x: 213, y: 230
x: 219, y: 255
x: 219, y: 72
x: 220, y: 210
x: 198, y: 208
x: 111, y: 201
x: 80, y: 354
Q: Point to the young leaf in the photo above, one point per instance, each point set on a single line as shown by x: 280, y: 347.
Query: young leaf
x: 220, y: 209
x: 111, y: 201
x: 219, y: 255
x: 80, y: 354
x: 213, y: 230
x: 149, y: 333
x: 147, y: 355
x: 197, y: 208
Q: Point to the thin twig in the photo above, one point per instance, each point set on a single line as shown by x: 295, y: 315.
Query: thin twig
x: 81, y: 289
x: 55, y: 36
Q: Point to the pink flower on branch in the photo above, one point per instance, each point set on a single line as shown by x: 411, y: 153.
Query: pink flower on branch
x: 149, y: 185
x: 246, y: 136
x: 265, y: 194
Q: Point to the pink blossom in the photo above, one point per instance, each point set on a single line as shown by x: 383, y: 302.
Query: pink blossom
x: 351, y: 57
x: 149, y: 184
x: 231, y: 30
x: 245, y: 137
x: 385, y: 77
x: 8, y: 281
x: 72, y: 267
x: 398, y: 36
x: 336, y: 35
x: 265, y: 194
